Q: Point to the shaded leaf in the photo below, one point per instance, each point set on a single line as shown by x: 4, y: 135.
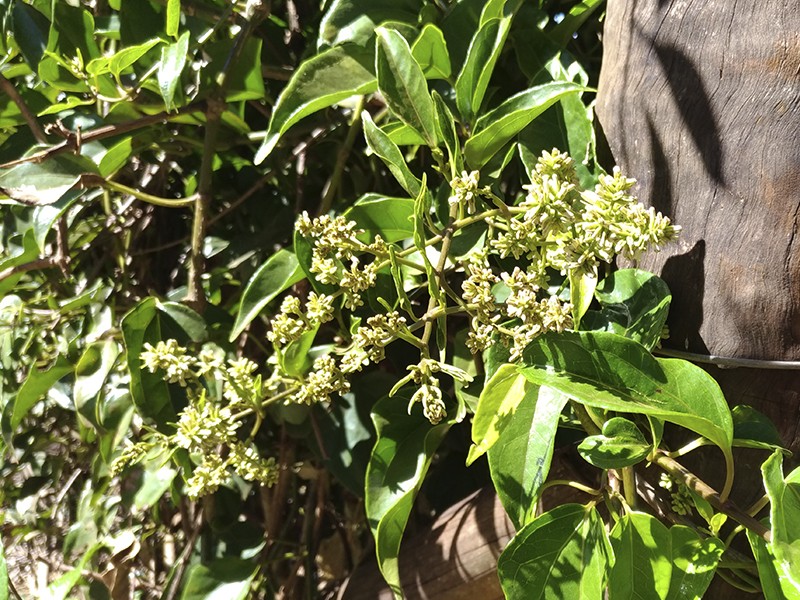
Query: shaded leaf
x: 31, y: 29
x: 356, y: 20
x: 281, y: 271
x: 563, y: 553
x: 220, y: 579
x: 634, y: 303
x: 751, y: 425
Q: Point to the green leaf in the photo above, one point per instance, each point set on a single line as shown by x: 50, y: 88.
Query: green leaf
x: 563, y: 553
x: 149, y: 391
x: 155, y: 481
x: 403, y: 135
x: 634, y: 304
x: 45, y: 216
x: 121, y: 60
x: 772, y: 574
x: 484, y: 50
x: 391, y: 218
x: 72, y: 32
x: 753, y: 426
x: 784, y: 496
x: 403, y: 85
x: 188, y: 322
x: 281, y: 271
x: 657, y: 563
x: 497, y: 127
x: 31, y: 29
x: 220, y: 579
x: 446, y: 124
x: 36, y: 386
x: 173, y: 59
x: 173, y: 17
x: 3, y: 574
x: 244, y: 79
x: 430, y: 51
x: 620, y: 445
x: 91, y: 373
x: 319, y: 82
x: 47, y: 181
x: 294, y: 359
x: 390, y: 154
x: 520, y: 459
x: 355, y: 21
x: 581, y: 291
x: 398, y: 464
x: 116, y: 157
x: 611, y: 372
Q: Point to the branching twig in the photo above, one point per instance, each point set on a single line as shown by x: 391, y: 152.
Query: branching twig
x: 29, y: 117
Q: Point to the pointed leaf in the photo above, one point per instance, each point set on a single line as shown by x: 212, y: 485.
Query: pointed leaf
x: 562, y: 554
x: 390, y: 154
x: 398, y: 464
x: 430, y: 51
x: 482, y: 55
x: 772, y: 574
x: 47, y: 181
x: 581, y: 291
x: 319, y: 82
x: 31, y: 29
x: 280, y: 272
x: 608, y: 371
x: 402, y: 83
x: 91, y: 373
x: 497, y: 127
x: 173, y: 59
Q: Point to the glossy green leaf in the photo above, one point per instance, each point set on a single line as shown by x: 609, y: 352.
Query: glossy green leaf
x: 784, y: 496
x: 520, y: 459
x: 403, y: 135
x: 621, y: 444
x: 173, y: 59
x: 611, y: 372
x: 72, y: 32
x: 497, y: 127
x: 220, y: 579
x: 35, y: 387
x: 658, y: 563
x: 319, y: 82
x: 430, y: 51
x: 564, y: 553
x: 398, y: 464
x: 391, y: 218
x: 116, y: 157
x: 281, y: 271
x: 46, y: 215
x: 156, y: 479
x: 47, y: 181
x: 772, y: 574
x: 356, y: 20
x: 244, y: 79
x: 294, y: 359
x: 634, y: 304
x: 403, y: 85
x: 173, y: 17
x: 482, y: 56
x: 31, y: 29
x: 446, y: 124
x: 390, y: 154
x: 149, y: 391
x: 121, y: 60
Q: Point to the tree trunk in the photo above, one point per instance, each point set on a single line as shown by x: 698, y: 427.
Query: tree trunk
x: 700, y: 101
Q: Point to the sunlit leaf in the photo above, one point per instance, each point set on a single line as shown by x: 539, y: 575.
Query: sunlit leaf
x: 173, y: 59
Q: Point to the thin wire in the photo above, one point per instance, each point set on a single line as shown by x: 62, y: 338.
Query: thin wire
x: 729, y: 362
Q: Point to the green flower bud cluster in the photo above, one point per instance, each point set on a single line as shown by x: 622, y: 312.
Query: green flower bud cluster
x: 222, y: 395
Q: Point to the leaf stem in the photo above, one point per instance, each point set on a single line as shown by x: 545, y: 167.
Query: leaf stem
x: 572, y: 484
x: 113, y: 186
x: 447, y: 239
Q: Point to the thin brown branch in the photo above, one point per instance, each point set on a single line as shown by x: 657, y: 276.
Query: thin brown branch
x: 682, y: 474
x: 49, y: 262
x: 72, y: 143
x: 27, y: 114
x: 183, y: 559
